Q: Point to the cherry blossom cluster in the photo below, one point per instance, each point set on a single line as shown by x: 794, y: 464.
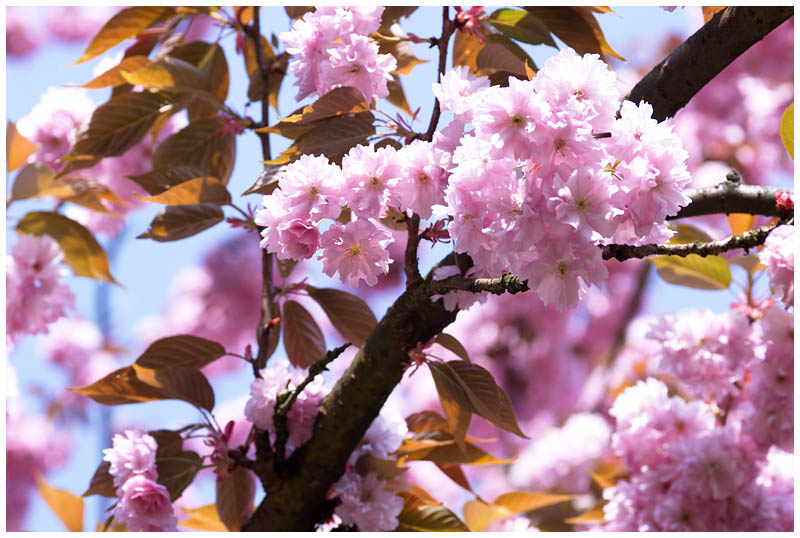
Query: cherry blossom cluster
x: 709, y: 464
x: 277, y: 378
x: 27, y: 29
x: 36, y: 295
x: 330, y: 48
x: 366, y: 500
x: 533, y: 190
x: 778, y: 256
x: 144, y: 504
x: 53, y: 126
x: 527, y: 185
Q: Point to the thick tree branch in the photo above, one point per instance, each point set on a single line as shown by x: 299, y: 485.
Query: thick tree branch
x: 731, y: 197
x: 674, y: 81
x: 507, y: 283
x: 747, y: 240
x: 296, y: 498
x: 293, y: 503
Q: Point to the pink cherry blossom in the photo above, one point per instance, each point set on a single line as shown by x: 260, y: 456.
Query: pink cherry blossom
x: 778, y: 256
x: 35, y: 293
x: 367, y: 503
x: 356, y: 250
x: 144, y: 505
x: 132, y: 453
x: 368, y: 172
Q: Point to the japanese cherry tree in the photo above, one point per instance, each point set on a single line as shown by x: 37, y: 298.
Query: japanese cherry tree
x: 517, y: 380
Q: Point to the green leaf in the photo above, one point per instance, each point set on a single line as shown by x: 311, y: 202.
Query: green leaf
x: 235, y: 494
x: 575, y: 26
x: 162, y: 179
x: 119, y: 124
x: 102, y: 483
x: 429, y: 518
x: 18, y: 148
x: 181, y: 351
x: 302, y: 337
x: 522, y: 26
x: 169, y: 73
x: 113, y: 77
x: 180, y: 221
x: 451, y: 343
x: 478, y: 393
x: 124, y: 25
x: 693, y: 271
x: 68, y: 507
x: 81, y: 251
x: 333, y: 137
x: 204, y: 518
x: 350, y: 315
x: 201, y: 145
x: 199, y: 190
x: 787, y: 129
x: 134, y: 384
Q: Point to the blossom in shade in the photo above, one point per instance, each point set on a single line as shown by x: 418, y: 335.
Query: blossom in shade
x: 706, y: 352
x: 778, y: 256
x: 367, y: 503
x: 132, y: 453
x: 277, y: 378
x: 563, y: 457
x: 356, y: 250
x: 144, y: 505
x: 53, y: 123
x: 35, y: 293
x: 21, y: 37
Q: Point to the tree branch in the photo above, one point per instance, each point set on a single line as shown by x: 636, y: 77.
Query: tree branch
x: 679, y: 76
x: 747, y: 240
x: 507, y: 283
x: 448, y: 27
x: 286, y: 400
x: 731, y: 197
x: 347, y: 412
x: 410, y: 260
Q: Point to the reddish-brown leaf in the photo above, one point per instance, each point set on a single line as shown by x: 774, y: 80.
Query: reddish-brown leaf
x: 302, y: 337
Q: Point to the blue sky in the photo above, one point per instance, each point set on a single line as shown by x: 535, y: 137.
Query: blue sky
x: 145, y: 268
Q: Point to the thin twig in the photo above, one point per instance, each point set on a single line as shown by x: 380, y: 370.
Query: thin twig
x: 747, y: 240
x: 448, y: 27
x: 286, y: 400
x: 507, y: 283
